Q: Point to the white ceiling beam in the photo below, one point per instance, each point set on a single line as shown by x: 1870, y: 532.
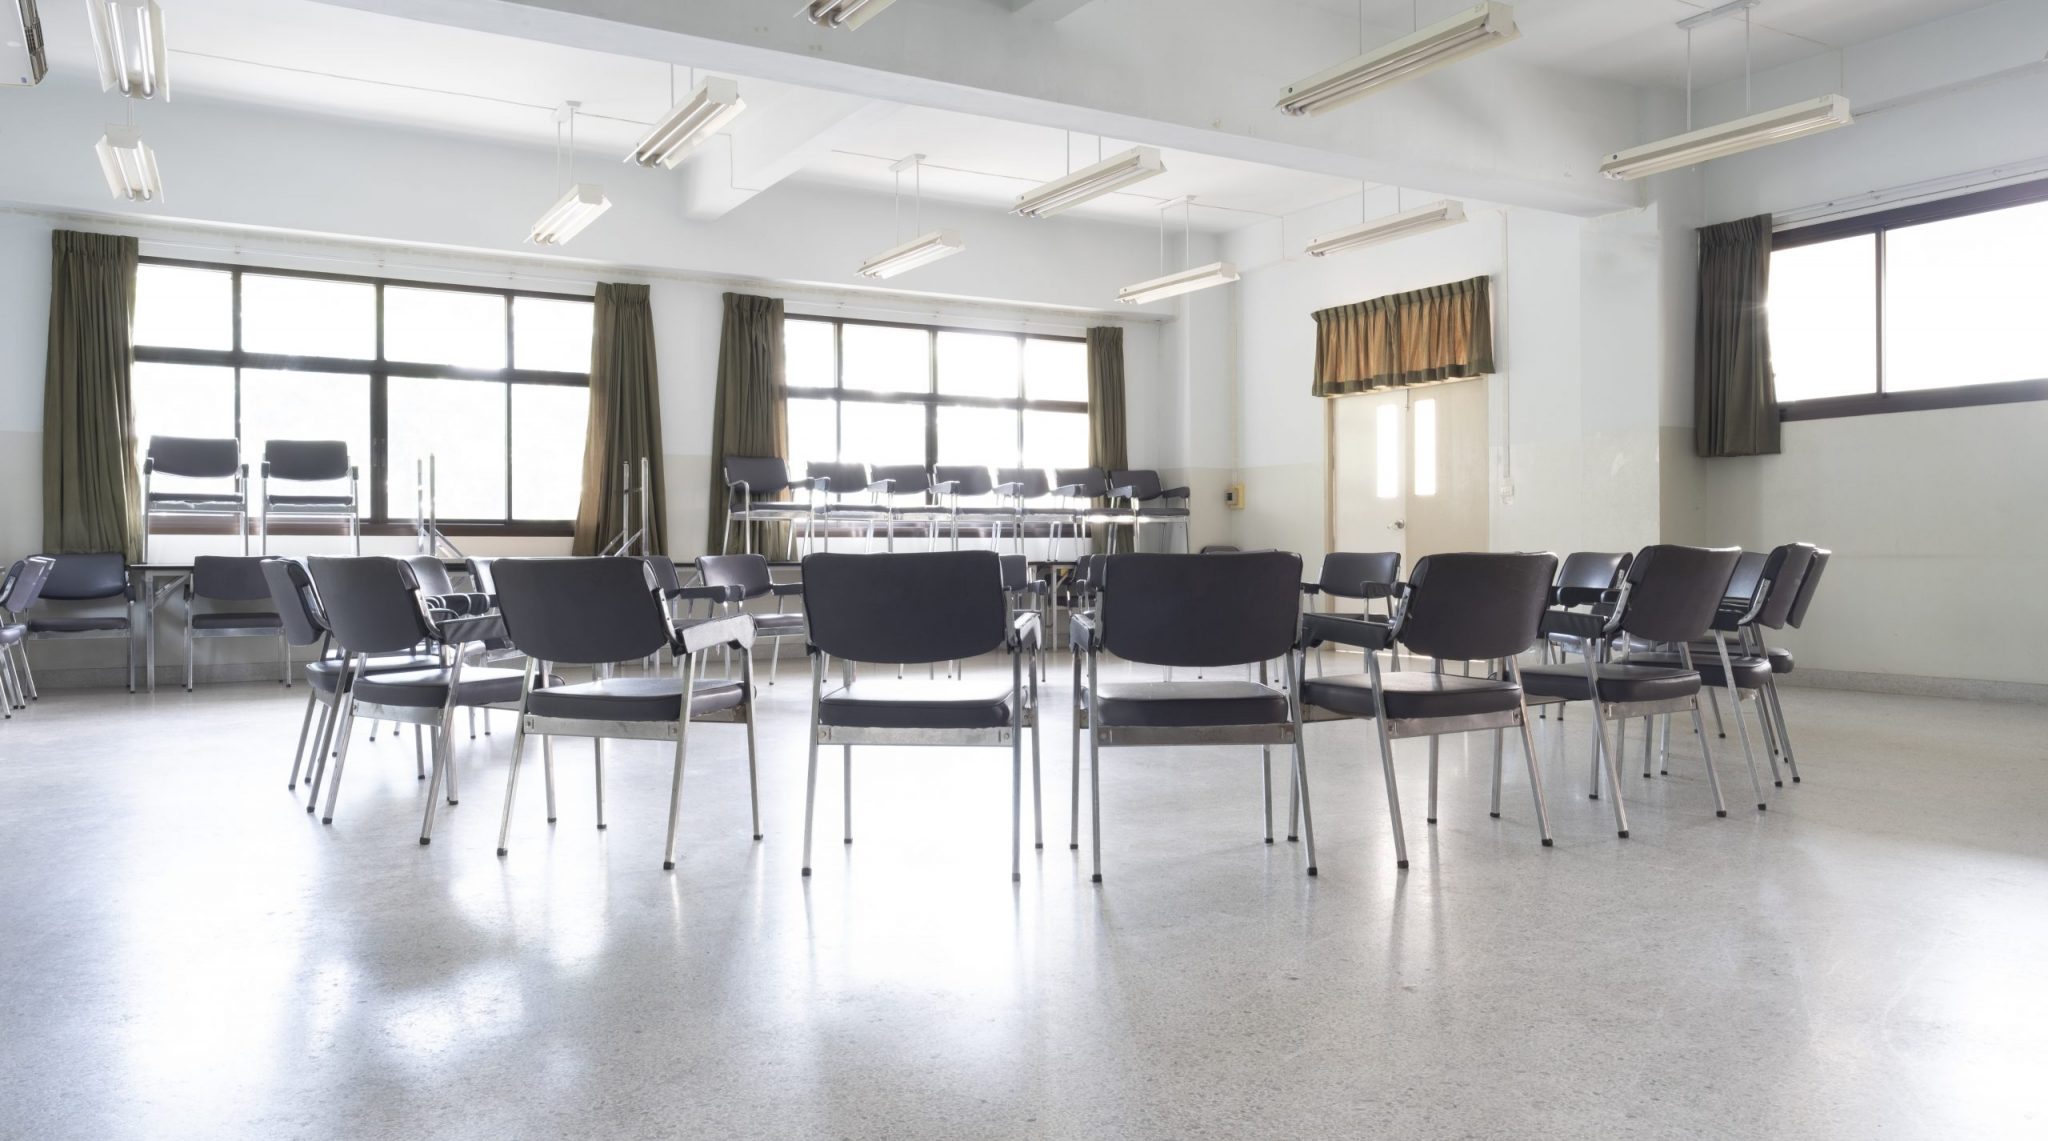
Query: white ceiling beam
x: 766, y: 145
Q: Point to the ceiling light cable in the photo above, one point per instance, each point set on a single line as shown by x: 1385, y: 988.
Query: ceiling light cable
x: 1748, y: 105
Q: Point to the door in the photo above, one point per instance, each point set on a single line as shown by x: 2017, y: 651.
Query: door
x: 1408, y: 470
x: 1367, y: 496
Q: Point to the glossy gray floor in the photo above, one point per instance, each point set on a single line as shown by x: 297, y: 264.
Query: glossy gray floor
x: 186, y: 953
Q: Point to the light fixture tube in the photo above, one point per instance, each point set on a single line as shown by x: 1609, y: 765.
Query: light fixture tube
x: 23, y: 62
x: 567, y: 218
x: 128, y: 46
x: 1721, y: 140
x: 848, y: 14
x: 1446, y: 41
x: 913, y: 253
x: 1113, y: 173
x: 714, y: 103
x: 1436, y: 215
x: 129, y: 164
x: 1175, y: 284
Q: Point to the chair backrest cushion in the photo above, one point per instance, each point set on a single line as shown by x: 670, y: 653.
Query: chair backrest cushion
x: 581, y: 610
x: 372, y: 603
x: 25, y: 581
x: 1748, y: 575
x: 1030, y: 481
x: 431, y: 574
x: 236, y: 578
x: 479, y: 574
x: 307, y: 459
x: 1476, y: 607
x: 1673, y: 591
x: 1586, y: 575
x: 662, y: 571
x: 1200, y: 610
x: 195, y: 456
x: 1807, y: 585
x: 763, y: 475
x: 905, y: 479
x: 905, y: 608
x: 748, y: 572
x: 967, y: 479
x: 1143, y: 482
x: 1345, y: 573
x: 841, y: 479
x: 297, y: 602
x: 78, y: 578
x: 1089, y: 481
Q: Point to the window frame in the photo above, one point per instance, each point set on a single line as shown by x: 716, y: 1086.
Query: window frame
x: 1879, y: 224
x: 379, y: 370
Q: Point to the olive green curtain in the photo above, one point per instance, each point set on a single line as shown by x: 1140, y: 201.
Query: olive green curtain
x: 1443, y: 332
x: 751, y: 414
x: 1108, y: 433
x: 92, y: 493
x: 1734, y: 395
x: 624, y: 426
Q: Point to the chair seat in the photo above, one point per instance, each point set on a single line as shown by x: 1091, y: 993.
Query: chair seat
x: 78, y: 624
x: 480, y: 685
x: 1750, y: 673
x: 1618, y: 682
x: 1188, y: 704
x: 912, y: 704
x: 310, y: 501
x: 776, y: 624
x: 633, y: 699
x: 172, y: 501
x: 322, y: 675
x: 1162, y: 512
x: 251, y: 620
x: 1414, y: 695
x: 1781, y: 659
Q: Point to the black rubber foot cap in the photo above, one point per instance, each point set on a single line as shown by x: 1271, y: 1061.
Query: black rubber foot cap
x: 1547, y: 843
x: 1623, y: 833
x: 1294, y: 839
x: 551, y: 820
x: 425, y: 840
x: 1795, y: 780
x: 1073, y: 847
x: 1311, y: 871
x: 422, y: 776
x: 330, y: 819
x: 1646, y: 776
x: 309, y: 810
x: 1723, y: 736
x: 668, y: 865
x: 1763, y: 807
x: 600, y: 827
x: 1663, y: 772
x: 1016, y: 877
x: 1779, y: 783
x: 1592, y: 796
x: 1040, y: 846
x: 1095, y: 878
x: 848, y: 840
x: 1495, y: 815
x: 1429, y: 820
x: 1722, y: 812
x: 807, y: 873
x: 1401, y: 863
x: 1269, y: 839
x: 757, y: 835
x: 452, y: 802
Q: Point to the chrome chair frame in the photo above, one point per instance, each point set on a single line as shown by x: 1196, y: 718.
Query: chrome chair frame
x: 740, y: 486
x: 234, y: 505
x: 258, y: 630
x: 269, y: 502
x: 1139, y: 486
x: 18, y: 592
x: 52, y: 629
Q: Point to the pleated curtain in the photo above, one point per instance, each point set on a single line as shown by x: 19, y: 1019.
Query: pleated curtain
x: 1442, y: 332
x: 92, y: 489
x: 624, y: 426
x: 1735, y: 395
x: 750, y: 415
x: 1108, y: 430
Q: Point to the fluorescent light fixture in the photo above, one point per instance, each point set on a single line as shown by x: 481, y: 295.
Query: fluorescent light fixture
x: 913, y: 253
x: 567, y: 218
x: 848, y: 14
x: 1175, y: 284
x: 22, y: 62
x: 1447, y: 41
x: 1760, y: 130
x: 128, y: 45
x: 1112, y: 173
x: 1423, y: 218
x: 129, y: 164
x: 714, y: 103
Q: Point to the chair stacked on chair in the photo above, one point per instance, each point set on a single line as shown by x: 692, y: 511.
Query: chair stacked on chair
x: 18, y: 591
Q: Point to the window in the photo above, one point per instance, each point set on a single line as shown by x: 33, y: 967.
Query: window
x: 874, y: 393
x: 400, y: 370
x: 1927, y: 306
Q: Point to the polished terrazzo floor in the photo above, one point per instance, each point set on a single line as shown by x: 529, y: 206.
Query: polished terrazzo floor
x: 187, y: 954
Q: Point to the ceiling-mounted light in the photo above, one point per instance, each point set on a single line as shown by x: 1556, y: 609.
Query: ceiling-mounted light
x: 129, y: 164
x: 1175, y: 284
x: 1112, y: 173
x: 1447, y: 41
x: 714, y: 103
x: 848, y: 14
x: 22, y: 62
x: 1436, y: 215
x: 913, y: 253
x: 568, y: 216
x: 1760, y: 130
x: 128, y: 44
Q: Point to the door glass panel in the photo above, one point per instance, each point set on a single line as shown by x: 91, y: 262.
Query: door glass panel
x: 1425, y: 447
x: 1387, y: 451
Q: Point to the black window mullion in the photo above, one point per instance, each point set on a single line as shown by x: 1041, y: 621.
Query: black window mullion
x: 380, y: 422
x: 1878, y: 253
x: 511, y: 512
x: 931, y: 411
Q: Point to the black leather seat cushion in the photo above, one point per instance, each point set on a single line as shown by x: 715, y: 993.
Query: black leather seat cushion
x: 1750, y: 673
x: 1412, y: 694
x: 323, y: 674
x: 175, y: 501
x: 1187, y: 704
x: 1162, y: 512
x: 1618, y: 682
x: 884, y: 704
x: 778, y: 624
x: 480, y: 685
x: 633, y: 699
x: 244, y: 620
x: 78, y: 624
x: 310, y: 501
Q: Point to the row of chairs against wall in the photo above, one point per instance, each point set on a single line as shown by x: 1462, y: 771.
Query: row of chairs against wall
x: 288, y: 467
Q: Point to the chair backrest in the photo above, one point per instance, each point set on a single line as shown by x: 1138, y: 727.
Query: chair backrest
x: 1219, y: 549
x: 80, y: 578
x: 25, y: 582
x: 372, y: 603
x: 905, y: 479
x: 1088, y: 482
x: 906, y: 608
x: 480, y: 574
x: 297, y: 602
x: 307, y: 460
x: 1030, y: 481
x: 195, y: 456
x: 840, y: 479
x: 748, y: 572
x: 1749, y: 574
x: 1016, y: 572
x: 1087, y: 576
x: 1200, y: 610
x: 1807, y: 585
x: 1786, y: 572
x: 1586, y: 575
x: 967, y: 479
x: 762, y: 475
x: 1673, y: 591
x: 1346, y: 573
x: 581, y: 610
x: 236, y: 578
x: 432, y: 575
x: 1143, y: 482
x: 663, y: 570
x: 1476, y: 607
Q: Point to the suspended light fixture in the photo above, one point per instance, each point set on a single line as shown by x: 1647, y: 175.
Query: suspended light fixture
x: 129, y: 165
x: 1466, y: 34
x: 713, y: 104
x: 1113, y: 173
x: 583, y: 202
x: 921, y: 250
x: 848, y: 14
x: 1405, y: 223
x: 22, y: 59
x: 1186, y: 280
x: 128, y: 45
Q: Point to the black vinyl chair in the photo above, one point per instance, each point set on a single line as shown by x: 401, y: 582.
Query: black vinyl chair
x: 18, y: 591
x: 844, y: 493
x: 1454, y: 607
x: 323, y: 462
x: 755, y: 490
x: 190, y: 457
x: 218, y: 578
x: 599, y: 612
x: 1151, y: 504
x: 1189, y: 610
x: 479, y: 572
x: 437, y: 588
x: 1359, y: 576
x: 99, y: 577
x: 1587, y: 580
x: 983, y: 514
x: 910, y: 609
x: 744, y: 578
x: 906, y: 492
x: 1085, y: 493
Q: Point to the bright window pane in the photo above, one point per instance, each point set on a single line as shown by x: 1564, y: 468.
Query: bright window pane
x: 552, y: 335
x: 461, y: 423
x: 885, y: 358
x: 1387, y: 451
x: 1425, y: 447
x: 548, y: 426
x: 182, y: 308
x: 1823, y: 313
x: 807, y: 354
x: 978, y: 364
x: 443, y: 326
x: 183, y: 400
x: 1055, y: 439
x: 986, y: 436
x: 813, y: 433
x: 1963, y: 300
x: 307, y: 406
x: 305, y: 316
x: 1055, y: 370
x: 881, y: 433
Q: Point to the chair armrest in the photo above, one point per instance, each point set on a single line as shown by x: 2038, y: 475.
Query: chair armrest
x: 1176, y: 493
x: 1081, y: 632
x: 786, y: 589
x: 1007, y: 488
x: 708, y: 594
x: 455, y: 629
x: 1363, y: 633
x: 1380, y: 589
x: 1573, y: 624
x: 148, y: 464
x: 1311, y: 588
x: 885, y: 486
x: 1123, y: 493
x: 694, y: 634
x: 1025, y: 632
x: 1069, y: 490
x: 946, y: 487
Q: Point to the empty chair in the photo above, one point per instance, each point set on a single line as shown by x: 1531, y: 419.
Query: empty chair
x: 1586, y: 580
x: 905, y: 491
x: 1360, y: 576
x: 479, y: 571
x: 1189, y: 610
x: 1081, y: 489
x: 912, y: 609
x: 437, y: 588
x: 216, y: 461
x: 598, y: 612
x: 88, y: 578
x: 1152, y: 504
x: 18, y: 591
x: 222, y: 579
x: 1024, y: 491
x: 310, y: 462
x: 1455, y: 607
x: 982, y: 514
x: 843, y: 493
x: 745, y: 578
x: 756, y: 489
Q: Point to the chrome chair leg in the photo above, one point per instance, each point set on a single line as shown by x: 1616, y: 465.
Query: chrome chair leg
x: 547, y: 768
x: 1784, y: 733
x: 846, y: 787
x: 597, y: 767
x: 305, y: 726
x: 675, y: 787
x: 511, y: 785
x: 1536, y: 780
x: 1300, y: 781
x: 1494, y: 810
x: 1613, y: 769
x: 1735, y: 710
x: 811, y: 776
x: 334, y: 782
x: 753, y: 771
x: 1074, y: 754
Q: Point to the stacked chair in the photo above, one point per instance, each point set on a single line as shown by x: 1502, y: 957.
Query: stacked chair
x: 756, y: 487
x: 191, y: 457
x: 1360, y: 576
x: 18, y: 591
x: 1151, y: 504
x: 321, y: 462
x: 99, y: 577
x: 218, y: 578
x: 740, y: 579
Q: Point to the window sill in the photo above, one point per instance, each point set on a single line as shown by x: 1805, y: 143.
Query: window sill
x: 1921, y: 400
x: 210, y: 525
